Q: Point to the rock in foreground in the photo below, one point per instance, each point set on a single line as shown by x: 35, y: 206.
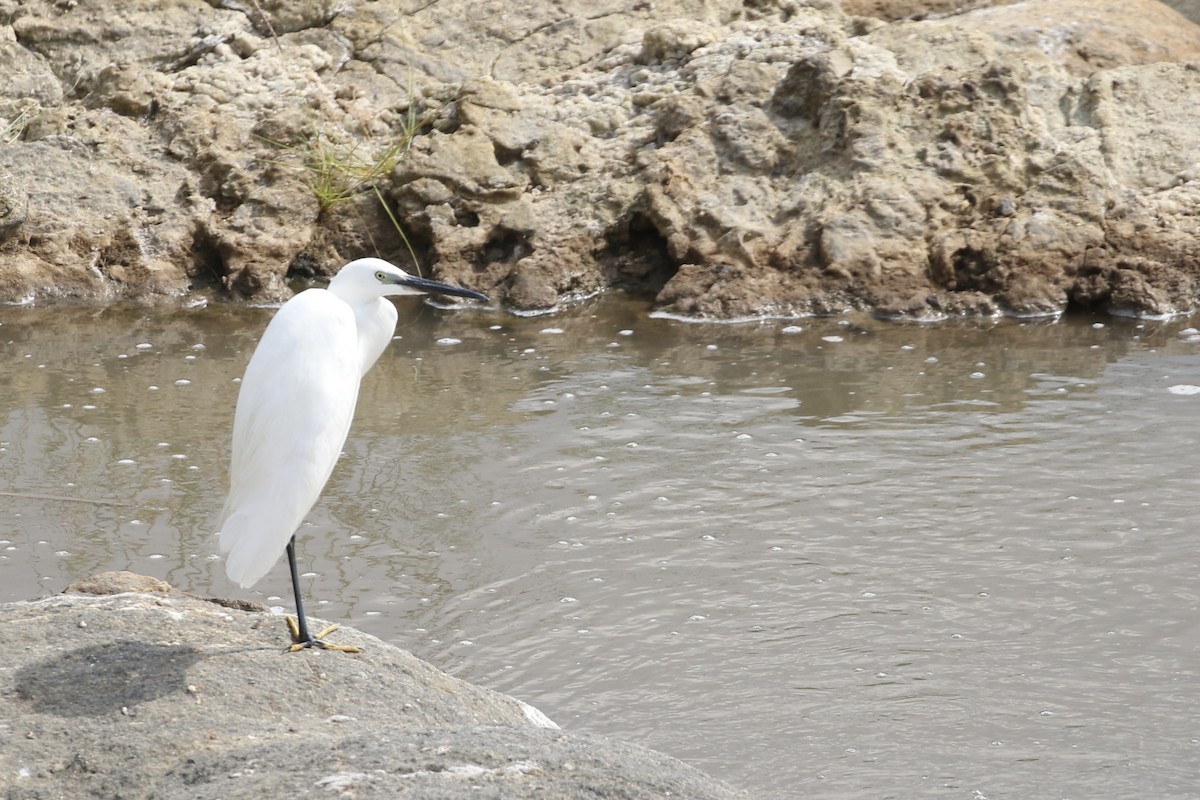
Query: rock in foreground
x: 144, y: 691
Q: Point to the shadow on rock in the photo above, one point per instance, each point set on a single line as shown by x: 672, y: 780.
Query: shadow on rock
x: 102, y: 679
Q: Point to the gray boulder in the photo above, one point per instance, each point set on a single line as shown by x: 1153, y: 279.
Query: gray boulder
x: 127, y: 688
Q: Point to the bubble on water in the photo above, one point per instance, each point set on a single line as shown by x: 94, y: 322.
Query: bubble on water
x: 1184, y: 389
x: 976, y: 375
x: 567, y: 600
x: 126, y: 461
x: 551, y: 330
x: 183, y: 382
x: 145, y: 346
x: 832, y: 339
x: 626, y: 332
x: 792, y: 329
x: 98, y: 390
x: 449, y: 340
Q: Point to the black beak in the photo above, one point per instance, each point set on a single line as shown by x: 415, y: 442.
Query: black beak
x: 433, y: 287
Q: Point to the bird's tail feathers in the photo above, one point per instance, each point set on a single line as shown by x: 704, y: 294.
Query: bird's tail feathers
x: 252, y: 546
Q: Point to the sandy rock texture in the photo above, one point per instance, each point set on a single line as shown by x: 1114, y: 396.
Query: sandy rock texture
x: 127, y: 688
x: 734, y: 158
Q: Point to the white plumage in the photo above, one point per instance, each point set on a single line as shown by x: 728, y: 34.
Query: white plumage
x: 296, y: 403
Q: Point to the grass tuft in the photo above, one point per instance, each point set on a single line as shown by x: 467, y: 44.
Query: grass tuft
x: 337, y: 169
x: 12, y: 130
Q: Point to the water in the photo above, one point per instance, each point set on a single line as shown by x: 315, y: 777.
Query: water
x: 854, y: 560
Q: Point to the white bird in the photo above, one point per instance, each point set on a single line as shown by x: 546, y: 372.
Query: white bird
x: 294, y: 410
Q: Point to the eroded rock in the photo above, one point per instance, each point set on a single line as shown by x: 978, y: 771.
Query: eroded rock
x: 736, y: 160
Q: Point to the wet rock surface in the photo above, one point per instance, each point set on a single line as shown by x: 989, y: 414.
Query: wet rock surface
x: 733, y: 159
x: 125, y: 687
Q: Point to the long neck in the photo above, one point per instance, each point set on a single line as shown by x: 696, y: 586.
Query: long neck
x: 376, y: 325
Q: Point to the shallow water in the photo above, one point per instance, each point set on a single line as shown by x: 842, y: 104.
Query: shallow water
x: 853, y: 560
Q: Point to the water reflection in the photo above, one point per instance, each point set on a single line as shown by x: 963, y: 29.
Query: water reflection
x: 842, y: 557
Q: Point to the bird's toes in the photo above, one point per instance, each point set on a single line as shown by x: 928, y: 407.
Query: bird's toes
x: 299, y: 643
x: 326, y: 631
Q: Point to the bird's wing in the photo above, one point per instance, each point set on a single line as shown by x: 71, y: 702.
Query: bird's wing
x: 293, y: 413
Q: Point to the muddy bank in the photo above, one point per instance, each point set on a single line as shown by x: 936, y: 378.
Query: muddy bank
x: 730, y: 158
x: 125, y: 687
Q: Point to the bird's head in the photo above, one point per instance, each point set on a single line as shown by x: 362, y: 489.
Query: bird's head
x: 370, y: 278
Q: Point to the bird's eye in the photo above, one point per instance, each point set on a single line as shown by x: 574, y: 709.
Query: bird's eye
x: 380, y: 276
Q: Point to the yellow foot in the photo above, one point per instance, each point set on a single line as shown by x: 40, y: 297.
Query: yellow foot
x: 316, y: 641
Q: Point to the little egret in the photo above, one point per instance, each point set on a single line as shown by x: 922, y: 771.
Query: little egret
x: 294, y: 410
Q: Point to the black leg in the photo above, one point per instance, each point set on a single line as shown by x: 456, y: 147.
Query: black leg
x: 302, y: 636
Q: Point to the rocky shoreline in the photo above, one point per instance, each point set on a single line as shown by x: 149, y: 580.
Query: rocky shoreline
x: 127, y: 688
x: 733, y: 159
